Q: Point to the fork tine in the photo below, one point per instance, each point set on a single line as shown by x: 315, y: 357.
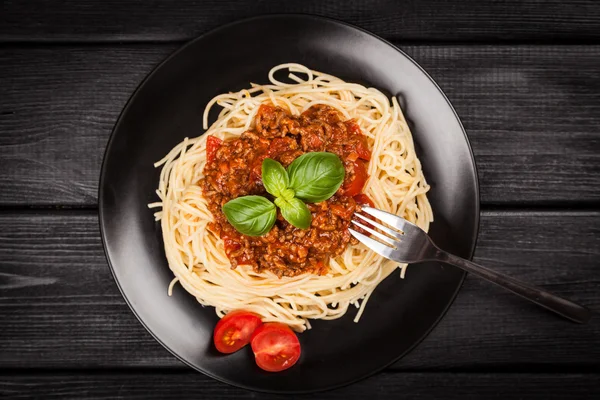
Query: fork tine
x: 390, y: 219
x: 391, y: 232
x: 372, y: 244
x: 381, y: 236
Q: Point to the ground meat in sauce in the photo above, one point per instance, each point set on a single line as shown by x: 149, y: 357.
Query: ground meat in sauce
x: 233, y: 169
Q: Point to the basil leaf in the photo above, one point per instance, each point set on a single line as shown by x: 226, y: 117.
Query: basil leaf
x: 295, y: 212
x: 288, y: 194
x: 250, y: 215
x: 274, y: 177
x: 316, y: 176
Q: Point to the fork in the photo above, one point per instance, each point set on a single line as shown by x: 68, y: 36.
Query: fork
x: 405, y: 242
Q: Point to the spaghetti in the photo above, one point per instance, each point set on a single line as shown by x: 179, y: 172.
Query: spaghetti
x: 196, y: 255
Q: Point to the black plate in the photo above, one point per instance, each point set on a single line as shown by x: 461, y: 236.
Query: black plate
x: 168, y: 107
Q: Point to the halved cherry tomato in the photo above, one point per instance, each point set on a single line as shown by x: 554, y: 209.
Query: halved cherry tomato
x: 355, y: 186
x: 362, y: 198
x: 275, y: 346
x: 212, y: 145
x: 235, y: 330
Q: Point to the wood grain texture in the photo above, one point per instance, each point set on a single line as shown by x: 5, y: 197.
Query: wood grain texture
x: 150, y: 386
x: 113, y: 20
x: 56, y: 120
x: 60, y: 308
x: 531, y: 113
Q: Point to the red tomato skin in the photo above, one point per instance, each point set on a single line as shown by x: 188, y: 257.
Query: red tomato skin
x: 362, y: 149
x: 270, y: 335
x: 355, y: 186
x: 353, y: 127
x: 237, y: 321
x: 212, y: 145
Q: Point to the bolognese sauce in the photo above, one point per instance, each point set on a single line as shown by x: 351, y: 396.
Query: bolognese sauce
x: 233, y: 169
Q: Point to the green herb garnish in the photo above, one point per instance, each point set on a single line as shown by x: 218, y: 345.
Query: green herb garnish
x: 312, y: 177
x: 315, y: 177
x: 251, y: 215
x: 295, y: 211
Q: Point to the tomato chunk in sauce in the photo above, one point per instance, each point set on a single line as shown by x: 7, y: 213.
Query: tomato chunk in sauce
x: 234, y: 169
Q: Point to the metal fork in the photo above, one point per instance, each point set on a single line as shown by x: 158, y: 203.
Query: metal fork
x: 405, y: 242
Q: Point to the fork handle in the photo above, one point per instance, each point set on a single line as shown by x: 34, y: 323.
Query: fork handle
x: 552, y: 302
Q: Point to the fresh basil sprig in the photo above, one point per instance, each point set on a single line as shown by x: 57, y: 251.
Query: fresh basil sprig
x: 250, y: 215
x: 274, y: 177
x: 312, y: 177
x: 295, y: 211
x: 315, y: 177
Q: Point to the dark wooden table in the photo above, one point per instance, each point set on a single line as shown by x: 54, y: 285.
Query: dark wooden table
x: 523, y: 75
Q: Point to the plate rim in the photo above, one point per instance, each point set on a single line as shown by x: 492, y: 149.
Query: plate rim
x: 175, y: 53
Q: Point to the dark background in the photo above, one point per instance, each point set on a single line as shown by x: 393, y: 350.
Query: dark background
x: 524, y: 76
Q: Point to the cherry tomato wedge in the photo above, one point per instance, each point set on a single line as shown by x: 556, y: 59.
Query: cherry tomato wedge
x: 275, y: 346
x: 235, y: 330
x: 355, y: 186
x: 212, y: 145
x: 363, y: 199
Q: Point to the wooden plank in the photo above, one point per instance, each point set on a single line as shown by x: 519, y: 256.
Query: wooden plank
x: 60, y: 308
x: 56, y: 121
x: 489, y: 328
x: 58, y: 300
x: 152, y: 385
x: 96, y: 20
x: 531, y: 113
